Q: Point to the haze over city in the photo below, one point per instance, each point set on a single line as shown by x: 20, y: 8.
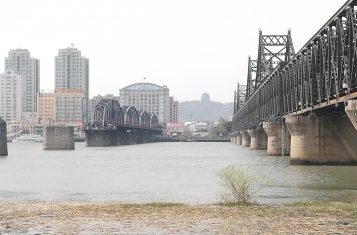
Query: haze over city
x: 190, y: 46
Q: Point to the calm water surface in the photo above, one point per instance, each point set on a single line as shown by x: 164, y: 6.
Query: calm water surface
x: 174, y: 172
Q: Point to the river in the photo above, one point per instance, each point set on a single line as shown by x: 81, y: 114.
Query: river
x: 160, y: 172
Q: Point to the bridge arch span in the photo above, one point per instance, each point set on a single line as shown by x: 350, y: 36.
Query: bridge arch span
x: 131, y: 116
x: 144, y: 119
x: 154, y: 122
x: 106, y: 112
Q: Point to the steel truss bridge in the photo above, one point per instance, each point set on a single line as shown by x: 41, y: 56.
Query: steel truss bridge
x: 318, y: 78
x: 108, y: 114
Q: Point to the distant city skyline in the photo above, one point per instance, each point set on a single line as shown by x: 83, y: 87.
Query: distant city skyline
x: 191, y: 46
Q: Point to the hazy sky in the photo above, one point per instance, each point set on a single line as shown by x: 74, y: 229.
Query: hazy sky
x: 192, y: 46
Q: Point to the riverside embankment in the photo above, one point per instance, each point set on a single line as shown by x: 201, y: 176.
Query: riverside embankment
x: 116, y: 218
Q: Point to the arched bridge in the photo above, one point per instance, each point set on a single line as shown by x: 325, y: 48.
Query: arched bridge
x: 303, y: 104
x: 112, y: 124
x: 108, y: 114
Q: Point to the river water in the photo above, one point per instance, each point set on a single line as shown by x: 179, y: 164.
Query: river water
x: 165, y: 172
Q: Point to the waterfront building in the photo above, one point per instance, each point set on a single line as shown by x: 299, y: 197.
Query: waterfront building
x: 72, y: 73
x: 173, y: 129
x: 13, y: 126
x: 69, y: 107
x: 153, y: 98
x: 20, y: 62
x: 46, y: 108
x: 198, y: 126
x: 11, y: 96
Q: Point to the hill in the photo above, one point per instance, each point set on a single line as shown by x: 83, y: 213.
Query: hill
x: 206, y: 110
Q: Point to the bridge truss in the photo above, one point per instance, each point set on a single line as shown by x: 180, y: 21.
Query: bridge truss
x: 108, y: 114
x: 322, y: 73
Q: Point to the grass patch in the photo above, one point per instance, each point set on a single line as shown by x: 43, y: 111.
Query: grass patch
x: 328, y: 207
x: 155, y: 205
x: 237, y: 204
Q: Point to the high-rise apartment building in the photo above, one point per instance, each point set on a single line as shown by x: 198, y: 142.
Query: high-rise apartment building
x: 11, y: 93
x: 150, y: 97
x: 20, y: 62
x: 72, y: 72
x: 173, y: 110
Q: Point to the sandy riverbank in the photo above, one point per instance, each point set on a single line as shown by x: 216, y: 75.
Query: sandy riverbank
x: 115, y: 218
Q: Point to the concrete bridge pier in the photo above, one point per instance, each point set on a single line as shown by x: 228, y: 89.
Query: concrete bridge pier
x: 245, y: 139
x: 101, y: 138
x: 237, y: 138
x: 3, y: 138
x: 351, y: 110
x: 278, y: 135
x: 322, y: 140
x: 234, y: 139
x: 147, y: 137
x: 135, y: 137
x: 122, y: 137
x: 258, y: 139
x: 58, y: 138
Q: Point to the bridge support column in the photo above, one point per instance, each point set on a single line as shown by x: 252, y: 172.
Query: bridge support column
x: 278, y: 135
x: 258, y: 139
x: 3, y: 139
x: 351, y: 110
x: 239, y: 139
x: 323, y: 140
x: 234, y: 139
x: 245, y: 139
x: 58, y: 138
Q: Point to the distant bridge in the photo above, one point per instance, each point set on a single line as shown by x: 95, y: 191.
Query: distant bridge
x: 303, y: 104
x: 113, y: 125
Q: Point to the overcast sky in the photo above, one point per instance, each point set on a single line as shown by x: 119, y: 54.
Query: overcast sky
x: 192, y: 46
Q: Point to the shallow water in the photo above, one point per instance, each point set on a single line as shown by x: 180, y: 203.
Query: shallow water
x: 173, y: 172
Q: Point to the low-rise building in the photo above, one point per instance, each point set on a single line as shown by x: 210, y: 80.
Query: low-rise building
x: 174, y: 129
x: 199, y: 127
x: 46, y: 108
x: 13, y: 126
x: 69, y: 106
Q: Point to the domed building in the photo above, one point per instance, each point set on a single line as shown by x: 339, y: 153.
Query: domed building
x: 150, y: 97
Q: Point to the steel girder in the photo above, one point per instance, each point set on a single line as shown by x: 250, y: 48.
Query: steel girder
x: 322, y: 72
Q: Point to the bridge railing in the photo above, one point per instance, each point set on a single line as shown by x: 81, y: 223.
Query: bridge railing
x: 324, y: 70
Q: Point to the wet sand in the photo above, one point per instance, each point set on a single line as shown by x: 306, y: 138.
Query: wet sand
x: 116, y: 218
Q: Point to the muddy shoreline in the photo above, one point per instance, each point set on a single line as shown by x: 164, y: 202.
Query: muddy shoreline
x: 157, y: 218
